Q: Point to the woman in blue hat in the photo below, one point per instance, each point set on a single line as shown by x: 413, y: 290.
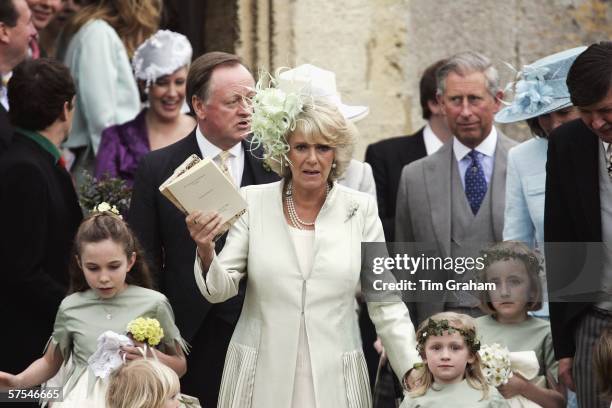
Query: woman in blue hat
x: 542, y: 99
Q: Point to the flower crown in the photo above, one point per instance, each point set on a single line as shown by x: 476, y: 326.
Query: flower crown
x: 106, y: 208
x: 275, y: 113
x: 438, y: 327
x: 530, y: 260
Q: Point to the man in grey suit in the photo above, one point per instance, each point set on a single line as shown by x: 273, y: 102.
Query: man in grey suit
x: 454, y: 199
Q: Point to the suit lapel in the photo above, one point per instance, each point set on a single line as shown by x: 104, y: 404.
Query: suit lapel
x: 188, y: 146
x: 437, y: 175
x: 498, y: 187
x: 585, y: 167
x: 412, y: 149
x: 254, y: 172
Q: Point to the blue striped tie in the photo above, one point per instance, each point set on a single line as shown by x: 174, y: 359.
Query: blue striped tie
x: 475, y: 182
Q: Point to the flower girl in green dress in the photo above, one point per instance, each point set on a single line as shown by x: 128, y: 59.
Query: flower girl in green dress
x: 514, y: 268
x: 451, y: 376
x: 109, y: 288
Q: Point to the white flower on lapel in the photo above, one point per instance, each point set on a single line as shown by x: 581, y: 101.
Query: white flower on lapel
x: 351, y: 211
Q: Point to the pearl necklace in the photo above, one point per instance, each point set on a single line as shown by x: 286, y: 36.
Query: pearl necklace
x: 296, y: 221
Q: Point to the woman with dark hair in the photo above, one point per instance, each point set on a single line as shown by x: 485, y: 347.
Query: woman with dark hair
x: 102, y: 38
x: 109, y: 288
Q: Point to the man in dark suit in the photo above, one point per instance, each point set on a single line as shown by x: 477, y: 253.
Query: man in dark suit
x: 388, y: 157
x: 16, y: 32
x: 40, y: 210
x: 217, y: 85
x: 578, y: 211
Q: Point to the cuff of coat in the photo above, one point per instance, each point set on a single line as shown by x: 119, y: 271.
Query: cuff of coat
x: 200, y: 274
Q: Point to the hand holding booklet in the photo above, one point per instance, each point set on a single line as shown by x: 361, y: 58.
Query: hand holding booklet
x: 199, y: 184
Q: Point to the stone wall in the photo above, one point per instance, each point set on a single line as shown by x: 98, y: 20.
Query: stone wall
x: 379, y: 48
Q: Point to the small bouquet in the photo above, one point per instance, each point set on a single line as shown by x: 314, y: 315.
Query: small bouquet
x: 146, y: 330
x: 110, y: 190
x: 495, y: 364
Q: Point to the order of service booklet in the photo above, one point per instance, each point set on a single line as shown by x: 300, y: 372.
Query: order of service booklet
x: 199, y: 184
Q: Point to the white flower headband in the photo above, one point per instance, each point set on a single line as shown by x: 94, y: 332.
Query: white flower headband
x: 105, y: 207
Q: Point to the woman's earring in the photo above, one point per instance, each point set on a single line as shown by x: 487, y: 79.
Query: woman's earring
x: 334, y: 165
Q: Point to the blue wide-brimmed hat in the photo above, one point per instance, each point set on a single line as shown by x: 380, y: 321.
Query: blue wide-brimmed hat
x: 540, y: 88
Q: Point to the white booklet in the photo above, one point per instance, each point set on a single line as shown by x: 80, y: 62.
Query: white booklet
x: 199, y: 184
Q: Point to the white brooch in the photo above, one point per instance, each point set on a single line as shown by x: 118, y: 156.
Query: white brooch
x: 351, y: 211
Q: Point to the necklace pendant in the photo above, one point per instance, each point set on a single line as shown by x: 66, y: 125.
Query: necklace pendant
x: 109, y: 316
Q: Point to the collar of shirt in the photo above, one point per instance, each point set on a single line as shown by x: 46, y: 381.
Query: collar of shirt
x: 605, y: 145
x: 236, y: 159
x: 486, y: 150
x: 42, y: 141
x: 486, y: 147
x: 4, y: 90
x: 432, y: 142
x: 210, y: 150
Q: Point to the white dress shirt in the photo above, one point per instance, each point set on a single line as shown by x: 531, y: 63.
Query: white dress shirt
x: 486, y: 154
x: 235, y: 162
x: 432, y: 142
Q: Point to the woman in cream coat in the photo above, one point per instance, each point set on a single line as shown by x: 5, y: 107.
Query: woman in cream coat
x: 297, y: 342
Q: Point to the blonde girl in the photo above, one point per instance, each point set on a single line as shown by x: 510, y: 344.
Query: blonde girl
x: 451, y: 375
x: 143, y: 384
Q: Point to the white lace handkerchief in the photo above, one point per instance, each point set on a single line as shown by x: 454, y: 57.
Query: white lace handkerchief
x: 107, y: 358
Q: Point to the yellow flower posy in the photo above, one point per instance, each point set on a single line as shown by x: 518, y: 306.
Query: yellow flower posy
x: 146, y: 330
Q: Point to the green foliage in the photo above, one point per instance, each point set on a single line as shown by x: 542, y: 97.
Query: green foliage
x: 107, y: 189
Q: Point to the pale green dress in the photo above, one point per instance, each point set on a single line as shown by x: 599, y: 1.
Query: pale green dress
x: 83, y: 316
x: 531, y: 334
x: 458, y: 395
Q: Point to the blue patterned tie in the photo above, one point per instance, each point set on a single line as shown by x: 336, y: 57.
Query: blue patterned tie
x: 475, y: 182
